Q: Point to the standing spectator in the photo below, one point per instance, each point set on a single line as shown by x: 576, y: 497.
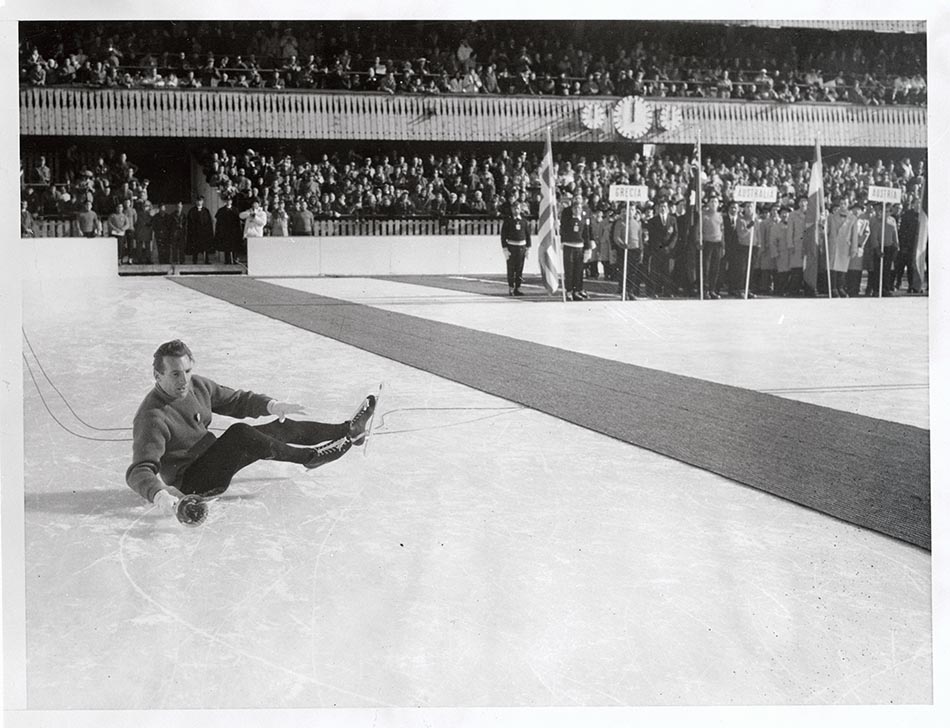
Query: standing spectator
x: 515, y: 243
x: 26, y: 221
x: 745, y: 237
x: 118, y: 226
x: 87, y: 222
x: 176, y: 232
x: 627, y: 237
x: 301, y: 220
x: 888, y: 229
x: 713, y: 245
x: 161, y: 224
x: 772, y: 239
x: 199, y: 231
x: 662, y: 241
x: 142, y: 248
x: 860, y: 233
x: 686, y: 260
x: 227, y: 232
x: 840, y: 226
x: 576, y: 244
x: 600, y: 242
x: 279, y: 221
x: 796, y: 248
x: 906, y: 245
x: 780, y: 238
x: 254, y: 219
x: 604, y: 245
x: 41, y: 173
x: 730, y: 246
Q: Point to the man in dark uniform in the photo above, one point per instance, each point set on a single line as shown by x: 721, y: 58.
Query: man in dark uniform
x: 199, y: 229
x: 176, y: 232
x: 575, y: 242
x: 662, y: 238
x: 161, y: 226
x: 228, y: 231
x: 515, y: 242
x: 907, y: 231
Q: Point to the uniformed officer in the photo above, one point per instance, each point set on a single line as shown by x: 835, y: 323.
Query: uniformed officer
x: 515, y: 242
x: 576, y: 243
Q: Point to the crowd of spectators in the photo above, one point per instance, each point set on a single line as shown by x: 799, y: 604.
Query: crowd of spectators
x: 104, y: 180
x: 103, y: 195
x: 653, y: 59
x: 401, y: 184
x: 404, y: 185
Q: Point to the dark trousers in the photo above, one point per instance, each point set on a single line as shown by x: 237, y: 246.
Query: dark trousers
x: 738, y: 266
x: 874, y: 275
x: 659, y: 280
x: 903, y: 261
x: 573, y: 269
x: 794, y: 282
x: 712, y: 259
x: 516, y: 265
x: 243, y: 444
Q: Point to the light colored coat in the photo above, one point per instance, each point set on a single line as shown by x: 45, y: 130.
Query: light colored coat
x: 840, y: 238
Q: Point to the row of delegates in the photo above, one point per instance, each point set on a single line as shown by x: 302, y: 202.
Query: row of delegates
x: 641, y: 252
x: 169, y: 235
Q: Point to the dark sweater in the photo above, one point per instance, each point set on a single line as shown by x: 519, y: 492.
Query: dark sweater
x: 169, y: 434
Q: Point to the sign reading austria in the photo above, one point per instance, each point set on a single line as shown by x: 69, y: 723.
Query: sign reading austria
x: 745, y: 193
x: 890, y: 195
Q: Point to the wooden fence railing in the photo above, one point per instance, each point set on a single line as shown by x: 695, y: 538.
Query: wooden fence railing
x: 342, y: 227
x: 262, y: 114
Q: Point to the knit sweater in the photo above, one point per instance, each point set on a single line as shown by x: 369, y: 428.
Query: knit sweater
x: 169, y: 434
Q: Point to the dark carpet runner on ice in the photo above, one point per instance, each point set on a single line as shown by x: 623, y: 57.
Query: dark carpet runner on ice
x: 869, y: 472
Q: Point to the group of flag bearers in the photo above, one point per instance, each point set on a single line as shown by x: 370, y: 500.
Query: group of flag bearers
x: 787, y: 248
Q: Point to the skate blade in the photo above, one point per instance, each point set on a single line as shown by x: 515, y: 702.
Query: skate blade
x: 372, y: 420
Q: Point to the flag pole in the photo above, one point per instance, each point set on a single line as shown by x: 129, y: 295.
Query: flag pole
x: 880, y: 263
x: 558, y: 250
x: 699, y: 207
x: 626, y: 251
x: 827, y: 246
x: 748, y: 267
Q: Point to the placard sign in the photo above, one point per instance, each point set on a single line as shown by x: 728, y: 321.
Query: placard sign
x: 746, y: 193
x: 890, y: 195
x: 629, y: 193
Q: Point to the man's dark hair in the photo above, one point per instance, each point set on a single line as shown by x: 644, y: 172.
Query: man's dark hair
x: 173, y: 348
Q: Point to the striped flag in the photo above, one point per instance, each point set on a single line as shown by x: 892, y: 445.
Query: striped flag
x: 547, y: 248
x: 816, y: 205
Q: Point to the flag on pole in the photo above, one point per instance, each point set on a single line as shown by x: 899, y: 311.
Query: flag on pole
x: 816, y: 205
x: 816, y: 191
x: 547, y: 248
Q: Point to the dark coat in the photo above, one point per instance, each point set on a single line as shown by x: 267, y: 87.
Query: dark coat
x: 199, y: 231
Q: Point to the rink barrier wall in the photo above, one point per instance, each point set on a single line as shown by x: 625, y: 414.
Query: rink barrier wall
x: 52, y: 258
x: 378, y: 256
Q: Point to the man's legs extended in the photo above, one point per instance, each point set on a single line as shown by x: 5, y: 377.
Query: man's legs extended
x: 243, y: 444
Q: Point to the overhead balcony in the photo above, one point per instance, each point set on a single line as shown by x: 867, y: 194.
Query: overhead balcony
x: 263, y: 114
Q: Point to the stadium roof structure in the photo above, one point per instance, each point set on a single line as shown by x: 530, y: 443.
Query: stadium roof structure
x: 876, y: 26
